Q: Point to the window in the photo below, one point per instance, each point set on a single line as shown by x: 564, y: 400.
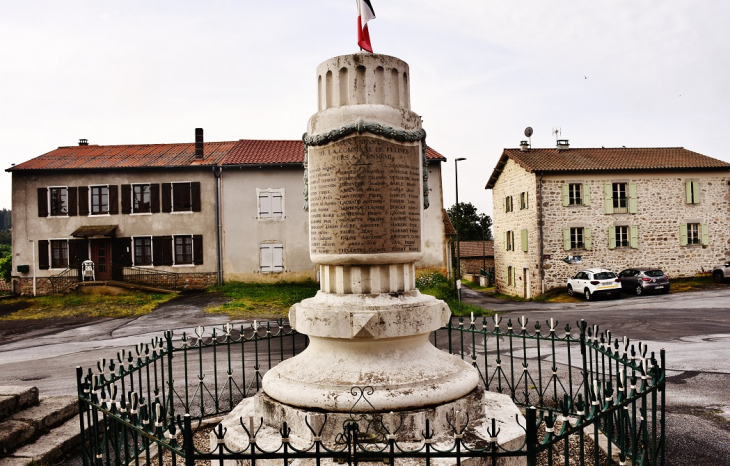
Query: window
x: 574, y: 194
x: 142, y: 251
x: 99, y: 200
x: 59, y: 254
x: 181, y: 200
x: 620, y: 198
x: 692, y: 192
x: 272, y: 257
x: 271, y: 203
x: 694, y: 233
x: 183, y: 249
x: 511, y: 276
x: 509, y: 240
x: 622, y: 236
x: 523, y: 200
x: 58, y: 201
x: 577, y: 238
x: 141, y: 198
x: 508, y: 207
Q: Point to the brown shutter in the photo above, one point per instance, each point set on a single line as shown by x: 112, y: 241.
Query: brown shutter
x: 122, y: 251
x: 126, y: 199
x: 72, y: 204
x: 43, y: 255
x: 166, y: 197
x: 155, y: 198
x: 43, y: 202
x: 72, y: 262
x: 113, y: 199
x: 198, y: 249
x: 195, y: 195
x: 83, y: 200
x: 157, y: 250
x: 167, y: 250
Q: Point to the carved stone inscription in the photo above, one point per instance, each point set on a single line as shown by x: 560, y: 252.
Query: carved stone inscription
x: 364, y: 197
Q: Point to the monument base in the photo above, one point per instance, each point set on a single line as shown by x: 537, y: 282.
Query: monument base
x: 480, y: 407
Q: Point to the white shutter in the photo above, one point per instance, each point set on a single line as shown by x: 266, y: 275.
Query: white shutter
x: 267, y: 257
x: 276, y: 204
x: 265, y: 204
x: 277, y: 258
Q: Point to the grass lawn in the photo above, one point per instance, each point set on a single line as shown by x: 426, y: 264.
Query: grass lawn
x: 262, y: 300
x: 128, y: 304
x: 435, y: 284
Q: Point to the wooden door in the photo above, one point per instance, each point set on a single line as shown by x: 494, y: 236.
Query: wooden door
x: 101, y: 253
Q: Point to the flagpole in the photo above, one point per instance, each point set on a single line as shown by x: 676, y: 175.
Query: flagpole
x: 359, y: 15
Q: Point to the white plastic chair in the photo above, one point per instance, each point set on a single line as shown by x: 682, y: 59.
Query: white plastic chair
x: 87, y: 270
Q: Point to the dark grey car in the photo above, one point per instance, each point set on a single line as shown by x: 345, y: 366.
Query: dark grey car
x: 639, y: 280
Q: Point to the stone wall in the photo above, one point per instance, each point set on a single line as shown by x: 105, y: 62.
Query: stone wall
x: 661, y: 209
x: 473, y: 265
x: 186, y: 281
x: 514, y: 181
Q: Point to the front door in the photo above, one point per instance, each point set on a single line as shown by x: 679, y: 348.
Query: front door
x: 101, y: 253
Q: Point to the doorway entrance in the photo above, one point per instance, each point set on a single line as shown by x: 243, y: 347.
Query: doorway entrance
x: 526, y: 283
x: 101, y: 253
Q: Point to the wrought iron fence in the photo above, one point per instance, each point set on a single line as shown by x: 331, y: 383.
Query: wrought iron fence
x: 146, y: 277
x: 149, y: 403
x: 65, y: 280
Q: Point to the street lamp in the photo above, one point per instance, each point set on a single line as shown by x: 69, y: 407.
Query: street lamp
x: 457, y: 275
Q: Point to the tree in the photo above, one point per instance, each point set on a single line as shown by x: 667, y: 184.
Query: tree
x: 6, y: 265
x: 472, y: 225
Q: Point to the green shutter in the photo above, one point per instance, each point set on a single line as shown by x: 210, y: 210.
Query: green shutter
x: 506, y: 245
x: 705, y: 234
x: 509, y: 273
x: 611, y: 237
x: 696, y: 192
x: 566, y: 196
x: 586, y: 188
x: 688, y: 192
x: 514, y: 276
x: 683, y: 234
x: 504, y: 204
x: 607, y: 199
x: 632, y: 198
x: 634, y: 240
x: 566, y: 238
x: 587, y: 240
x: 527, y: 200
x: 523, y: 239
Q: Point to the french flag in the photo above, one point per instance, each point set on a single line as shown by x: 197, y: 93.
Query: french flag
x: 365, y: 14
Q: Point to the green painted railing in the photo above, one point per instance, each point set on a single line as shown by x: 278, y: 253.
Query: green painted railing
x: 570, y: 382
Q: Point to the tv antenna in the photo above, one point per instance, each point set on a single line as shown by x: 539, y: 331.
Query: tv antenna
x: 557, y: 132
x: 528, y: 133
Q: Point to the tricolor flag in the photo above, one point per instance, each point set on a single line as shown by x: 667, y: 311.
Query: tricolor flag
x: 365, y: 14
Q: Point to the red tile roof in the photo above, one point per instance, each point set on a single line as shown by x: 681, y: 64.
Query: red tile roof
x: 606, y: 159
x: 243, y: 152
x: 476, y: 248
x: 449, y: 229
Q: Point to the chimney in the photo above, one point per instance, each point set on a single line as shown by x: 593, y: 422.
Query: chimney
x: 524, y: 146
x: 563, y: 144
x: 83, y: 142
x: 198, y: 143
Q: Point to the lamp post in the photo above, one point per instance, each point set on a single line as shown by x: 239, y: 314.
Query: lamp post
x: 457, y: 275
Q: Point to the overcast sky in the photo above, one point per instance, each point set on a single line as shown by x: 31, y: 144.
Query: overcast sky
x: 633, y: 73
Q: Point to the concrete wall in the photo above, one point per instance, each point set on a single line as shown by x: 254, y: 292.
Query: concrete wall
x: 661, y: 209
x: 28, y: 226
x: 244, y: 231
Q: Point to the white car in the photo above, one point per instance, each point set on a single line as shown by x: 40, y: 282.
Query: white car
x: 721, y: 272
x: 594, y: 282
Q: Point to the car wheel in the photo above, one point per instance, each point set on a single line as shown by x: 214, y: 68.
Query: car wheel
x: 666, y: 290
x: 638, y: 290
x: 718, y: 276
x: 570, y: 290
x: 588, y: 294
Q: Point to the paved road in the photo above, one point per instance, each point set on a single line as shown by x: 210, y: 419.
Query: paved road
x: 694, y: 328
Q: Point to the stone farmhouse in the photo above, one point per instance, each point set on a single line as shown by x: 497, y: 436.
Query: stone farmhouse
x: 205, y: 211
x: 475, y: 256
x: 559, y: 210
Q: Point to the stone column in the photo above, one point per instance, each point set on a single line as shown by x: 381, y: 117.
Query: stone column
x: 368, y: 325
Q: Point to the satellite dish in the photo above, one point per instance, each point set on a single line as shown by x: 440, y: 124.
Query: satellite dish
x: 528, y: 131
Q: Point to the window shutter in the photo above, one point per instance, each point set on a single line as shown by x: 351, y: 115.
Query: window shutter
x: 611, y: 237
x: 277, y: 258
x: 198, y: 249
x: 523, y: 239
x: 267, y: 258
x: 157, y: 250
x: 504, y: 204
x: 587, y: 240
x: 126, y: 199
x: 608, y: 198
x: 167, y: 250
x: 122, y: 251
x: 688, y: 192
x: 586, y: 188
x: 166, y: 197
x: 113, y: 199
x: 695, y: 192
x: 72, y: 252
x: 509, y: 274
x: 154, y: 198
x: 195, y: 195
x: 43, y: 202
x: 566, y: 194
x: 43, y: 255
x: 514, y: 276
x: 527, y: 200
x: 683, y: 234
x: 634, y: 241
x: 265, y: 205
x: 276, y: 207
x: 72, y: 201
x: 705, y: 234
x: 566, y: 239
x: 632, y: 198
x: 506, y: 244
x: 83, y: 200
